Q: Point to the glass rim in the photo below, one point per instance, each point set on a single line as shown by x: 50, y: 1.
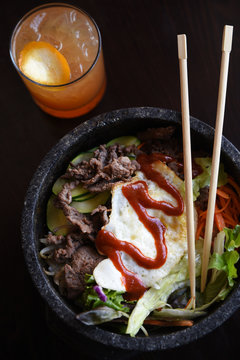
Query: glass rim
x: 47, y: 5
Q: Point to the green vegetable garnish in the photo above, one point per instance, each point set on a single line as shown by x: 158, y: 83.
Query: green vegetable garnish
x: 227, y: 260
x: 204, y: 178
x: 91, y: 300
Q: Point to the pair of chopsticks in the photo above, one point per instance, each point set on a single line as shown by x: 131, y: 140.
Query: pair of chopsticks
x: 182, y: 55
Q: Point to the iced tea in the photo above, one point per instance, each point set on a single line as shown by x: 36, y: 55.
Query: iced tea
x: 76, y: 36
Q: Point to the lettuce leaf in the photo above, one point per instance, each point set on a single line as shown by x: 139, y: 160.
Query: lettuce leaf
x: 216, y: 290
x: 225, y: 262
x: 228, y: 259
x: 232, y: 237
x: 204, y: 178
x: 90, y: 299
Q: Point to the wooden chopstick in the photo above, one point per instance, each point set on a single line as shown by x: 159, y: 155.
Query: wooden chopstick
x: 182, y: 55
x: 226, y: 49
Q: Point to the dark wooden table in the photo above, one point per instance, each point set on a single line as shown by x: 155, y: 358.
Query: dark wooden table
x: 140, y: 48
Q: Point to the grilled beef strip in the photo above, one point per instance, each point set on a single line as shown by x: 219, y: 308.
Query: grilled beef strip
x: 107, y: 166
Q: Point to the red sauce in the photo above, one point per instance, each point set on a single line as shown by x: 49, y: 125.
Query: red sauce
x: 138, y: 196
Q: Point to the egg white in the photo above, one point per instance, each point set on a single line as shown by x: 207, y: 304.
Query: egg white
x: 125, y: 225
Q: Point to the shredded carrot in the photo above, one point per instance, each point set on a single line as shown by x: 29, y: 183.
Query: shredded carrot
x: 203, y: 214
x: 223, y: 194
x: 168, y: 323
x: 140, y: 145
x: 224, y: 206
x: 230, y: 220
x: 200, y: 227
x: 219, y: 220
x: 233, y: 195
x: 221, y: 201
x: 227, y: 209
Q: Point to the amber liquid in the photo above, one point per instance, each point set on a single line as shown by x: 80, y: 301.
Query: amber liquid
x: 74, y: 34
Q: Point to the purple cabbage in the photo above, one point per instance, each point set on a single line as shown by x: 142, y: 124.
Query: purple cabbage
x: 100, y: 293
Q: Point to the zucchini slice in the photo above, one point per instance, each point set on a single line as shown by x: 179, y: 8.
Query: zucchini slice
x: 89, y: 205
x: 56, y: 220
x: 76, y: 192
x: 125, y: 141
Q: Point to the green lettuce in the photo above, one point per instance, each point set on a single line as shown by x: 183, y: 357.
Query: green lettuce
x: 204, y: 178
x: 227, y: 261
x: 90, y: 300
x: 232, y: 238
x: 216, y: 290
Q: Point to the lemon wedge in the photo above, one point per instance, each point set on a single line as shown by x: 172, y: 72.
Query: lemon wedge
x: 43, y: 63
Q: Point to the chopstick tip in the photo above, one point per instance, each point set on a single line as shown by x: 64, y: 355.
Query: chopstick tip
x: 182, y: 46
x: 227, y: 38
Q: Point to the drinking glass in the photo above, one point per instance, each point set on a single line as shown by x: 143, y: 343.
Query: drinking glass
x: 77, y: 37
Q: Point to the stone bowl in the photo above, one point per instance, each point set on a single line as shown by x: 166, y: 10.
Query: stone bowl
x: 95, y: 131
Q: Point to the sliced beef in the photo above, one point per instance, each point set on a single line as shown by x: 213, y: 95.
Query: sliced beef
x: 107, y: 166
x: 177, y: 168
x: 73, y: 241
x: 54, y: 239
x: 65, y: 194
x: 84, y: 260
x: 162, y: 133
x: 99, y: 218
x: 87, y: 224
x: 172, y: 148
x: 202, y: 200
x: 82, y: 221
x: 164, y: 140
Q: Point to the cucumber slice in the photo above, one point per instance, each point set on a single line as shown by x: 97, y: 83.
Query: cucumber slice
x: 125, y: 141
x: 56, y: 220
x: 79, y: 191
x: 58, y: 185
x: 85, y: 197
x: 89, y: 205
x: 76, y: 192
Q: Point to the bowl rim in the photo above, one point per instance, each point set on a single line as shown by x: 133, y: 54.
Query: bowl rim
x: 47, y: 291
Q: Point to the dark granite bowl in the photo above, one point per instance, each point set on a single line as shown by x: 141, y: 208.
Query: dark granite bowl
x: 96, y: 131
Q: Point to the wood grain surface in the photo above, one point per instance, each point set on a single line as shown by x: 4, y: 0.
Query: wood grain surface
x: 140, y: 49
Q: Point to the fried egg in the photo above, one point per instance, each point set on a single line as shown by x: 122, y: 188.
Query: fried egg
x: 125, y: 225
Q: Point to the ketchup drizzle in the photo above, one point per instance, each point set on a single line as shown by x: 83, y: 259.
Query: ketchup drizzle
x: 138, y: 197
